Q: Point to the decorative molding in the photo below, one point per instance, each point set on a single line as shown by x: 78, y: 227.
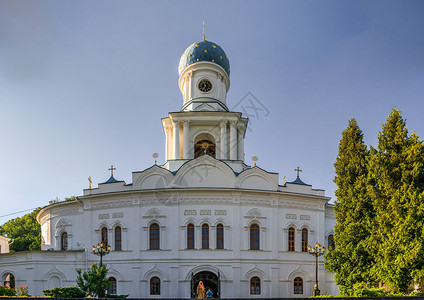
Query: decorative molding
x: 103, y: 216
x: 112, y: 204
x: 220, y: 212
x: 291, y: 216
x: 205, y: 212
x: 190, y: 212
x: 118, y: 215
x: 64, y: 212
x: 305, y: 217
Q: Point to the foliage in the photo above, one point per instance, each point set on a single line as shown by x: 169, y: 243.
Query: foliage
x: 65, y: 292
x: 397, y: 174
x: 22, y: 290
x: 116, y: 296
x: 94, y: 281
x: 57, y: 200
x: 7, y: 291
x: 351, y: 259
x: 25, y: 232
x: 379, y: 210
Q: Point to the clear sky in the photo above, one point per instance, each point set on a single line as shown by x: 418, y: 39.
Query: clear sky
x: 84, y: 84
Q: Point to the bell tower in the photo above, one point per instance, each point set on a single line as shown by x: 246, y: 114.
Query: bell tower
x: 204, y: 80
x: 204, y: 125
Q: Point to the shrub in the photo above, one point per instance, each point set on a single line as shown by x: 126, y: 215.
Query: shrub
x: 65, y: 292
x: 116, y: 296
x: 22, y: 290
x: 7, y: 291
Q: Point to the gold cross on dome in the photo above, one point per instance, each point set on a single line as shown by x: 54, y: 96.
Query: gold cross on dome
x: 298, y: 170
x: 111, y: 170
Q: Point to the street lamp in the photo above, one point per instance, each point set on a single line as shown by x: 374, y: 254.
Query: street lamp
x: 316, y: 250
x: 101, y: 249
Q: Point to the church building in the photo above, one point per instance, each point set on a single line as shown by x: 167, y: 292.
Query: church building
x: 204, y: 215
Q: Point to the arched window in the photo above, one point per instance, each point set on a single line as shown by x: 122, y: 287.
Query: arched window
x: 298, y: 285
x: 104, y: 235
x: 10, y: 281
x: 304, y: 240
x: 291, y: 239
x: 254, y: 237
x: 190, y: 236
x: 113, y: 286
x: 331, y: 241
x: 64, y: 241
x: 154, y: 286
x: 118, y: 238
x: 219, y: 236
x: 154, y: 236
x: 204, y: 147
x: 255, y: 286
x: 205, y: 236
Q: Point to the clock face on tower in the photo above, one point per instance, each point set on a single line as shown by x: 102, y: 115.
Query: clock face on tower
x: 205, y: 85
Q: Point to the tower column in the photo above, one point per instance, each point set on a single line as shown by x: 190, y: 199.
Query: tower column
x: 223, y: 149
x: 176, y: 139
x: 190, y: 86
x: 233, y: 140
x: 240, y: 143
x: 186, y: 147
x: 168, y: 146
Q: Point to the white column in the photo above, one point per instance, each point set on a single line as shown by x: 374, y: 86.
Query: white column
x: 240, y: 143
x: 186, y: 147
x: 223, y: 149
x: 168, y: 148
x: 233, y: 140
x: 190, y: 86
x: 177, y: 140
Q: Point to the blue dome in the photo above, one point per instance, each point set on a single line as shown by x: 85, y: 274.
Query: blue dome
x: 204, y: 51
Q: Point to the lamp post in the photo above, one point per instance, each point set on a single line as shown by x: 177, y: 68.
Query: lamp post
x: 101, y: 249
x: 316, y: 250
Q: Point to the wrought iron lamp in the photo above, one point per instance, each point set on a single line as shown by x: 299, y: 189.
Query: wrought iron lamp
x: 101, y: 249
x: 316, y: 250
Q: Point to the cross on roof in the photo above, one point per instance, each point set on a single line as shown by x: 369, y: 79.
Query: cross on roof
x: 298, y: 170
x: 111, y: 170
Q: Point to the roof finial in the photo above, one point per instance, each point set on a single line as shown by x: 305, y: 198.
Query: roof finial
x: 298, y: 170
x: 204, y: 37
x: 111, y: 170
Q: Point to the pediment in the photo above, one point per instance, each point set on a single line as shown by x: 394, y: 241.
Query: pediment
x: 205, y: 171
x: 257, y: 179
x: 153, y: 178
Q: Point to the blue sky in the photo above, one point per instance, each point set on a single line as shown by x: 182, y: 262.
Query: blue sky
x: 84, y: 84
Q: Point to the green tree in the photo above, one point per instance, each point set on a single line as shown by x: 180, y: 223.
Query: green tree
x: 351, y: 259
x: 397, y: 174
x: 94, y: 281
x: 25, y: 232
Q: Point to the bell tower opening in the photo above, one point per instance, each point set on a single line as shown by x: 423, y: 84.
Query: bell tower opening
x: 204, y: 144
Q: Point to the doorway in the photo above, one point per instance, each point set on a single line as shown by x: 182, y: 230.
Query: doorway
x: 210, y: 281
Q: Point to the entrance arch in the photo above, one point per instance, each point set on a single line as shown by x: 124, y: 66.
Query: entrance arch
x: 210, y: 281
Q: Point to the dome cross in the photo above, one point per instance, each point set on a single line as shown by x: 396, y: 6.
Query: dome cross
x: 298, y: 170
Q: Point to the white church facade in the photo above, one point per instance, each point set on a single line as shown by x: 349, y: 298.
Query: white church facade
x: 202, y: 216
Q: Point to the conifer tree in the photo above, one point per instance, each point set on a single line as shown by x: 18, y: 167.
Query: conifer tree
x: 351, y: 259
x: 397, y: 175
